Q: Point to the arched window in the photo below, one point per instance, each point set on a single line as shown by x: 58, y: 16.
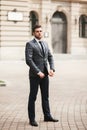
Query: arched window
x: 33, y: 19
x: 83, y: 26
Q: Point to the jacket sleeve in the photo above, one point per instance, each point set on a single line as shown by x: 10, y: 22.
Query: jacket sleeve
x: 29, y: 58
x: 51, y: 60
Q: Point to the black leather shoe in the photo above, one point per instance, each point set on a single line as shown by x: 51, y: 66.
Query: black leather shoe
x: 33, y: 123
x: 50, y: 119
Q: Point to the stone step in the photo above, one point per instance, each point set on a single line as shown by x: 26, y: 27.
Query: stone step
x: 69, y: 57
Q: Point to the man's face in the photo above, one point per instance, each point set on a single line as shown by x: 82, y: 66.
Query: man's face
x: 38, y: 33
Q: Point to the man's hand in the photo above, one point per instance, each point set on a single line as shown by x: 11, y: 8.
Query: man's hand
x: 41, y: 75
x: 51, y: 73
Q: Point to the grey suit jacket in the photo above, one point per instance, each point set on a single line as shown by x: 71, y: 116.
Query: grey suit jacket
x: 34, y: 58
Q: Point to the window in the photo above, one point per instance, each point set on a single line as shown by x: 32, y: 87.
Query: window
x: 33, y: 19
x: 83, y: 26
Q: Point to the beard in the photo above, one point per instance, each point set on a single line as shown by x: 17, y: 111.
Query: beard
x: 39, y: 37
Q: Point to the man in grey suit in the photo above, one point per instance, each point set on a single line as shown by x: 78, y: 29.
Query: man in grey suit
x: 37, y: 54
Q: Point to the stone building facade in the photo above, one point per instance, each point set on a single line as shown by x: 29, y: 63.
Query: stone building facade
x: 64, y: 25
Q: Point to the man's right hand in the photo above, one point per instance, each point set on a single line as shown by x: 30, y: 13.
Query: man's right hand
x: 41, y: 75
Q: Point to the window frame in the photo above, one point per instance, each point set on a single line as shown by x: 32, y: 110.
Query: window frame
x: 83, y: 26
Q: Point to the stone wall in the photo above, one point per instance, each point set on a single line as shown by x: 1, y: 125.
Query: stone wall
x: 14, y: 35
x: 78, y: 44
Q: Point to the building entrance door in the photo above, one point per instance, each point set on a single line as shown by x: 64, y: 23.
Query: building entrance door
x: 59, y: 32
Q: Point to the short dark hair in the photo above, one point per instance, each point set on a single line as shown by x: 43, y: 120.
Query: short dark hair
x: 35, y: 27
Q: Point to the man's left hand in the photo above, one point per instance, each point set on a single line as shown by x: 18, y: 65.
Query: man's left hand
x: 51, y: 73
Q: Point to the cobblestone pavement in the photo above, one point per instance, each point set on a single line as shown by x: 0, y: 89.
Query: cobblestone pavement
x: 68, y: 96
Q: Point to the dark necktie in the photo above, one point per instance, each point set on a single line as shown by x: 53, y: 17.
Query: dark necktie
x: 41, y: 47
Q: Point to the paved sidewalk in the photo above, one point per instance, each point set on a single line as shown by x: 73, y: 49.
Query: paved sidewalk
x: 68, y: 96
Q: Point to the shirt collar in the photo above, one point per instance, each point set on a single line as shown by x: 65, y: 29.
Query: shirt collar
x: 37, y: 40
